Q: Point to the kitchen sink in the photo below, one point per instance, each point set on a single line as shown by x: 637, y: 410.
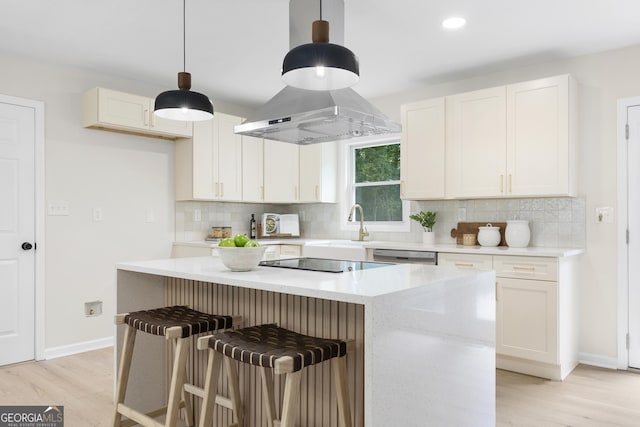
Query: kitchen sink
x: 336, y: 249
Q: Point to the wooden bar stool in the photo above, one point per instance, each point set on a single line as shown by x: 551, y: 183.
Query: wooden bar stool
x: 177, y: 323
x: 276, y: 351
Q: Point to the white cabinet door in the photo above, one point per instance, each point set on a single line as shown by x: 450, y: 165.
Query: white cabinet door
x: 539, y: 143
x: 281, y: 163
x: 252, y: 169
x: 423, y: 150
x: 123, y: 109
x: 111, y: 109
x: 209, y: 166
x: 476, y: 138
x: 527, y: 319
x: 227, y: 161
x: 194, y: 164
x: 318, y: 172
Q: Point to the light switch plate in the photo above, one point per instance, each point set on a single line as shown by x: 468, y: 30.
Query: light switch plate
x: 604, y: 214
x: 58, y: 208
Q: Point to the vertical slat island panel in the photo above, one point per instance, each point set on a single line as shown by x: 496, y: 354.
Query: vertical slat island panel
x: 311, y: 316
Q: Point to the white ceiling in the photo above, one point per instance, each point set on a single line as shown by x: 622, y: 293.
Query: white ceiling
x: 235, y: 47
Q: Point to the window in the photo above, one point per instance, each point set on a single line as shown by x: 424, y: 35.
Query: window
x: 374, y: 183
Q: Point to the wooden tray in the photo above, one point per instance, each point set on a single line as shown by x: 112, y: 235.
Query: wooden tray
x: 472, y: 228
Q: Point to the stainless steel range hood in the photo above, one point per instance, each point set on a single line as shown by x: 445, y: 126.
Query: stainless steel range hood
x: 308, y: 117
x: 304, y: 117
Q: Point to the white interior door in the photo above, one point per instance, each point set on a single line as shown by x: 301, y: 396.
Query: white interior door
x: 633, y: 215
x: 17, y: 232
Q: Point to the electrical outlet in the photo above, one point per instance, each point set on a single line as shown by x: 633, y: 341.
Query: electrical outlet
x: 604, y: 215
x: 97, y: 214
x: 197, y: 215
x: 93, y: 308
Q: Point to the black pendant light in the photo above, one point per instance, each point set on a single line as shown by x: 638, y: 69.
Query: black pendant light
x: 183, y: 104
x: 320, y: 65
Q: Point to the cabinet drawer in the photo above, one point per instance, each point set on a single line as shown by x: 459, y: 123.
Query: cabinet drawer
x: 518, y: 267
x: 481, y: 262
x: 290, y: 250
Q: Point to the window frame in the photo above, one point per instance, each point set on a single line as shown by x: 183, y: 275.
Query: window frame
x: 347, y: 189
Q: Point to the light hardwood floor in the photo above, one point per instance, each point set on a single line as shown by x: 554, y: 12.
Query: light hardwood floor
x: 590, y: 396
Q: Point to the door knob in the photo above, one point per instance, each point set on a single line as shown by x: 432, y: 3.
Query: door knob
x: 27, y: 246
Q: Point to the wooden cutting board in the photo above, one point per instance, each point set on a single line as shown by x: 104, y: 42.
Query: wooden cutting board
x: 472, y: 228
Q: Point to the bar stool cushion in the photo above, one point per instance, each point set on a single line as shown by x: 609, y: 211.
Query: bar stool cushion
x: 192, y: 322
x: 262, y: 345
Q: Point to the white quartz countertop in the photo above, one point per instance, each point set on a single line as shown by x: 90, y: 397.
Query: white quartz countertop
x: 357, y: 287
x: 438, y: 247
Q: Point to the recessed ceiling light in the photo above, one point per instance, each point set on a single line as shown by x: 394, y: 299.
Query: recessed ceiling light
x: 453, y: 23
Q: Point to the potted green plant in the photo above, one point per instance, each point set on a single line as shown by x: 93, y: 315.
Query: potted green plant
x: 427, y: 220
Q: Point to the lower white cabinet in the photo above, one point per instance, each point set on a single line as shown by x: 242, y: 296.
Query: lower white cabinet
x: 536, y: 311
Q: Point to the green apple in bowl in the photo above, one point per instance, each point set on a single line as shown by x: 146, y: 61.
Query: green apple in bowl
x: 252, y: 244
x: 240, y: 240
x: 227, y: 243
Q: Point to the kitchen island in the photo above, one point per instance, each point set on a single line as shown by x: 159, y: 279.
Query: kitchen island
x: 424, y: 336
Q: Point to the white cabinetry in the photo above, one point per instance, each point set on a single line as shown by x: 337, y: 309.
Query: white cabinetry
x: 423, y: 150
x: 536, y: 311
x: 281, y: 178
x: 209, y: 167
x: 541, y: 137
x: 252, y: 169
x: 516, y: 140
x: 318, y: 172
x: 110, y: 109
x: 476, y: 137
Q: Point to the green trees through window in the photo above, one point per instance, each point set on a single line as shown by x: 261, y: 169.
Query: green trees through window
x: 377, y: 181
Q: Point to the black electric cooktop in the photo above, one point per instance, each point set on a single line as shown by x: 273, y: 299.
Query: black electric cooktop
x: 322, y: 264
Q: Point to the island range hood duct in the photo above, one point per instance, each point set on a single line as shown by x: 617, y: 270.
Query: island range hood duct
x: 304, y: 117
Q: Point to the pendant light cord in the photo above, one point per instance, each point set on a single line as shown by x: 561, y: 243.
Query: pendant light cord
x: 321, y: 10
x: 184, y: 36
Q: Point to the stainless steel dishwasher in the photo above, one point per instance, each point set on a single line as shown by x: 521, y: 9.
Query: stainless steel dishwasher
x: 405, y: 256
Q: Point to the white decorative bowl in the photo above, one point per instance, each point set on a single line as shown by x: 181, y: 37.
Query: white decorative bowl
x: 241, y: 259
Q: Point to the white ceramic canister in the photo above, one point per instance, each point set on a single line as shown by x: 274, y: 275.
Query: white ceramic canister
x: 517, y: 234
x: 489, y: 235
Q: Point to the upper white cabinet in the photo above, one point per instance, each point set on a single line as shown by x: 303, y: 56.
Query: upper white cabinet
x: 281, y: 178
x: 516, y: 140
x: 209, y: 167
x: 476, y: 138
x: 422, y: 150
x: 110, y: 109
x: 318, y: 172
x: 541, y: 137
x: 252, y: 169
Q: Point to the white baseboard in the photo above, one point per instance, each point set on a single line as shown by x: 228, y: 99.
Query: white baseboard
x: 81, y: 347
x: 598, y: 360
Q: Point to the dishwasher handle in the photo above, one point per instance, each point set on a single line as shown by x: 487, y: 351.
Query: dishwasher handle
x: 400, y: 256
